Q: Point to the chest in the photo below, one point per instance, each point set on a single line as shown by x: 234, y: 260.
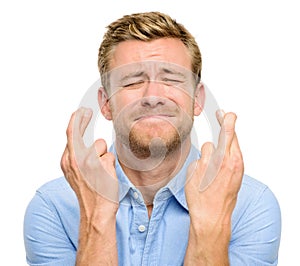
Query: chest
x: 160, y: 240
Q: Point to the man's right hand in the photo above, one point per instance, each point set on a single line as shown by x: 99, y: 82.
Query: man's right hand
x: 92, y: 175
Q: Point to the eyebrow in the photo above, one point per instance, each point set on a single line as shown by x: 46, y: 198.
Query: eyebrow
x: 142, y: 73
x: 171, y: 71
x: 133, y: 75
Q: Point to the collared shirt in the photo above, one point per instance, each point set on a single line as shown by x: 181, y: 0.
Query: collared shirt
x: 52, y: 220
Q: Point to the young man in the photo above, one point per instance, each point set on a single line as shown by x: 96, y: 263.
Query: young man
x: 151, y: 199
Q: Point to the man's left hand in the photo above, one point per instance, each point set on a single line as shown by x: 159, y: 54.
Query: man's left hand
x: 211, y: 193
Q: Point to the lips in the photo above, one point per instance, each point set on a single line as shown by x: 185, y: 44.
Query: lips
x: 154, y: 116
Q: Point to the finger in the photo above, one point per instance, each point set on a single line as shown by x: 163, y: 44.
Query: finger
x: 84, y: 117
x: 108, y: 185
x: 206, y: 151
x: 207, y: 173
x: 227, y: 133
x: 235, y: 144
x: 235, y: 147
x: 77, y: 126
x: 100, y: 147
x: 109, y: 161
x: 220, y: 116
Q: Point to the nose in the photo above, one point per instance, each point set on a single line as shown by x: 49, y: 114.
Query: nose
x: 153, y: 95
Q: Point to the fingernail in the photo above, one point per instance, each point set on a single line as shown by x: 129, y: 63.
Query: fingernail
x: 221, y: 113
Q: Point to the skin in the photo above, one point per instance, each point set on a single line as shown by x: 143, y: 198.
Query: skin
x: 210, y: 209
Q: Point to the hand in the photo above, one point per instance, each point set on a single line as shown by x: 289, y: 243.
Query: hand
x: 90, y: 171
x: 211, y: 194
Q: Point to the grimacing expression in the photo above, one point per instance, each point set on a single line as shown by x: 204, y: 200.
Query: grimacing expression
x: 151, y: 96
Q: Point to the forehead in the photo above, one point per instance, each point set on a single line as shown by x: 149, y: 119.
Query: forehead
x: 169, y: 50
x: 148, y: 69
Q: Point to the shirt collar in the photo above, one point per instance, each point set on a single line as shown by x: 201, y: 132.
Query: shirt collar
x: 124, y: 182
x: 175, y: 186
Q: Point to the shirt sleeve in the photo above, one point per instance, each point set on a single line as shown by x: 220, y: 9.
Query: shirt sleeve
x: 256, y: 234
x: 46, y: 242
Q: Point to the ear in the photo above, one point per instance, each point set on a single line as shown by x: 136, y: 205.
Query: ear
x: 199, y: 99
x: 103, y: 102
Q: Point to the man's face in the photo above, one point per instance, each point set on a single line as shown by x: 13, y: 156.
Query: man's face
x: 151, y: 95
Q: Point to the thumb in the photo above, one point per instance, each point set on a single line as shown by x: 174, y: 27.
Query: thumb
x: 100, y: 147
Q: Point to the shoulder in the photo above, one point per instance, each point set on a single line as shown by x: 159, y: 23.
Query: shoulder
x: 58, y: 184
x: 50, y: 224
x: 256, y: 223
x: 254, y: 196
x: 255, y: 193
x: 55, y: 195
x: 251, y: 184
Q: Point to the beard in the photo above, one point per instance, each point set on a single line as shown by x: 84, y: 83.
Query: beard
x: 166, y: 140
x: 155, y: 147
x: 154, y: 137
x: 154, y: 140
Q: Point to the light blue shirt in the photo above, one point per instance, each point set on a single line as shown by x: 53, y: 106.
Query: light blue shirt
x: 52, y: 220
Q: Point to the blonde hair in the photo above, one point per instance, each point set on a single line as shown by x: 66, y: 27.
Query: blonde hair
x: 146, y: 27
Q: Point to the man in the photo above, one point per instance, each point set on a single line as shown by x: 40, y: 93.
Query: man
x: 152, y: 199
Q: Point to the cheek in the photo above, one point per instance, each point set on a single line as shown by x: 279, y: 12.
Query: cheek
x: 183, y: 100
x: 122, y: 101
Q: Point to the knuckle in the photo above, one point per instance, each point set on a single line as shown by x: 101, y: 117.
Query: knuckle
x: 63, y: 163
x: 73, y: 161
x: 68, y: 131
x: 224, y: 165
x: 237, y: 162
x: 232, y: 163
x: 228, y: 130
x: 64, y: 160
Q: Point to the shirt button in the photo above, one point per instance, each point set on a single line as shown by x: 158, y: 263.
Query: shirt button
x: 135, y: 195
x: 142, y: 228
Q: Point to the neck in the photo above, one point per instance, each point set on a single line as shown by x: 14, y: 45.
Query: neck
x: 151, y: 174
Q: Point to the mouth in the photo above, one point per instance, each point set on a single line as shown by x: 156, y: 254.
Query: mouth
x: 154, y: 116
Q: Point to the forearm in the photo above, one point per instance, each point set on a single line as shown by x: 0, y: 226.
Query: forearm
x: 97, y: 242
x: 207, y: 247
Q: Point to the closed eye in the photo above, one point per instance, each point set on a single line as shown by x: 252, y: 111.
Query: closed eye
x: 170, y: 82
x: 134, y: 85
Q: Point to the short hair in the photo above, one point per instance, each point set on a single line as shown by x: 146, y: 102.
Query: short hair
x: 146, y: 27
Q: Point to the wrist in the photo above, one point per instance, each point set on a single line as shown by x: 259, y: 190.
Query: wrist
x: 208, y: 243
x: 97, y: 242
x: 97, y: 230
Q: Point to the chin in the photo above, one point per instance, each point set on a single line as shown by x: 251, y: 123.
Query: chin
x: 146, y: 136
x: 153, y: 143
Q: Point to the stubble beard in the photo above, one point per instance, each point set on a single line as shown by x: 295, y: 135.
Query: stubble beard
x: 143, y: 142
x: 158, y: 146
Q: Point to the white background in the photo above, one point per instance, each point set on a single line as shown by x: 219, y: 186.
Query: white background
x: 48, y: 59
